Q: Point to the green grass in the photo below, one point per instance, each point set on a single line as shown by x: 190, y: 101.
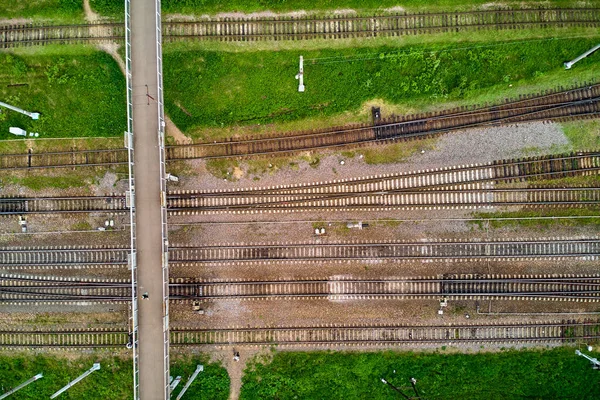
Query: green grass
x: 523, y: 218
x: 247, y: 88
x: 54, y: 10
x: 550, y: 374
x: 212, y: 383
x: 112, y: 382
x: 583, y: 135
x: 111, y: 7
x: 45, y: 182
x: 78, y: 90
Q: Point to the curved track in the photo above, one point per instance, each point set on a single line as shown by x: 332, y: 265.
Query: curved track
x: 578, y: 103
x: 385, y: 200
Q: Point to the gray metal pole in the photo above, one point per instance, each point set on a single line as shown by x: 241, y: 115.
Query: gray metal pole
x: 21, y: 386
x: 592, y: 360
x: 175, y: 383
x: 569, y: 64
x: 199, y: 369
x: 95, y: 367
x: 19, y: 110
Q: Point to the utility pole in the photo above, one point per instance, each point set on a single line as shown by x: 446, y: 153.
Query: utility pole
x: 95, y: 367
x: 395, y: 388
x: 21, y: 386
x: 31, y: 115
x: 199, y: 368
x: 569, y: 64
x: 413, y: 383
x: 594, y: 361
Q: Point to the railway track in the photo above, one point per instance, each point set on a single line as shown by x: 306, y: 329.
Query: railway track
x: 384, y: 200
x: 19, y: 289
x: 454, y: 187
x: 309, y: 27
x: 542, y: 332
x: 48, y: 205
x: 531, y: 168
x: 453, y: 288
x: 526, y: 249
x: 582, y: 248
x: 559, y: 332
x: 63, y: 256
x: 575, y: 103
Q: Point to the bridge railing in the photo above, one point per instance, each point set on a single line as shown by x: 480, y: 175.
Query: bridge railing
x: 163, y: 190
x: 130, y: 156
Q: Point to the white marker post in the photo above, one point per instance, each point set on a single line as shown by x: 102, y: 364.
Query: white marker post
x: 31, y: 115
x: 569, y: 64
x: 199, y: 369
x: 300, y: 75
x: 21, y: 386
x: 95, y: 367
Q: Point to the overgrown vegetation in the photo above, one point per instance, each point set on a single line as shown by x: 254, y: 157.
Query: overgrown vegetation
x: 550, y: 374
x: 55, y: 10
x: 215, y: 89
x: 79, y: 91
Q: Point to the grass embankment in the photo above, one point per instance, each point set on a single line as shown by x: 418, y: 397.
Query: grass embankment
x: 205, y: 89
x: 113, y: 7
x: 551, y: 374
x: 541, y: 220
x: 68, y: 11
x: 78, y: 90
x: 583, y: 135
x: 112, y: 382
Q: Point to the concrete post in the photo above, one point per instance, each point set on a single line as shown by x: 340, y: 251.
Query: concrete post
x: 594, y: 361
x: 569, y: 64
x: 19, y: 110
x: 95, y: 367
x: 21, y: 386
x: 199, y: 369
x: 175, y: 383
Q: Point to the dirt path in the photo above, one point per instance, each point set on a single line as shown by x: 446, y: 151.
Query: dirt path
x: 90, y: 16
x: 235, y: 369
